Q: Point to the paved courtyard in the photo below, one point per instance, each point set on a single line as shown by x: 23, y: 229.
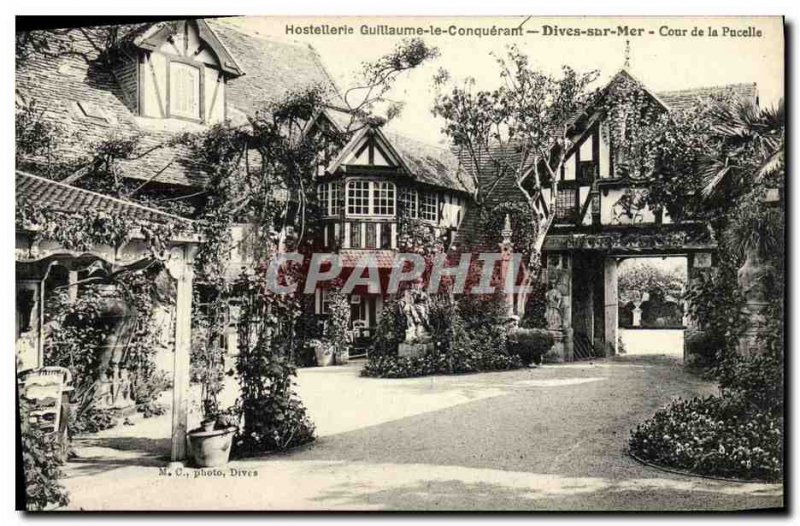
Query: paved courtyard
x: 551, y: 438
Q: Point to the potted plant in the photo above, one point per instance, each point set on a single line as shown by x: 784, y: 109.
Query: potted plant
x: 210, y: 444
x: 323, y: 351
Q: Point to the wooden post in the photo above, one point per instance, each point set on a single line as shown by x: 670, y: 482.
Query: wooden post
x: 611, y: 305
x: 180, y: 268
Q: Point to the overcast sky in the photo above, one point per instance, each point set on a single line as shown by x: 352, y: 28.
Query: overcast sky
x: 661, y: 62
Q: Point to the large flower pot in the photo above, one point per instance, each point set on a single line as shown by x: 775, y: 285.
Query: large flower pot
x: 211, y: 448
x: 324, y: 356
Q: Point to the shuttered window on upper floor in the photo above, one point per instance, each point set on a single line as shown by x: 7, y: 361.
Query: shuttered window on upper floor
x: 184, y: 91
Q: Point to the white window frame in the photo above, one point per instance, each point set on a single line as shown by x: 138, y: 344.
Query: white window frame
x: 365, y: 191
x: 409, y: 196
x: 335, y: 192
x: 323, y: 197
x: 385, y: 191
x: 424, y: 205
x: 373, y: 188
x: 323, y: 302
x: 329, y: 197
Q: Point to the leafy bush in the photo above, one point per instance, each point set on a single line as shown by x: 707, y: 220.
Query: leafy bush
x: 713, y: 436
x: 273, y: 418
x: 40, y: 462
x: 530, y: 344
x: 390, y: 330
x: 460, y: 346
x: 92, y: 419
x: 535, y: 306
x: 757, y: 380
x: 433, y: 363
x: 151, y: 409
x: 148, y: 390
x: 704, y: 349
x: 337, y: 328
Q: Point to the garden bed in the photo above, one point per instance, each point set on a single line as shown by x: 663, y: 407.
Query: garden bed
x: 719, y: 437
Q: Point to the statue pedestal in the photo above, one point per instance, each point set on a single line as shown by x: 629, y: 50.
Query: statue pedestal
x: 562, y: 350
x: 412, y: 350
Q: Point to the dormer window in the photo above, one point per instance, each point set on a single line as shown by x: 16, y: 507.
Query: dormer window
x: 181, y: 73
x: 184, y: 91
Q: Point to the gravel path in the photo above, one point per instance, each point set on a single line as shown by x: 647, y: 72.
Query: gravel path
x: 552, y: 438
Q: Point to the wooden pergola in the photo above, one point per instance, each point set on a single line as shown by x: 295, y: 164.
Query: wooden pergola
x: 35, y: 256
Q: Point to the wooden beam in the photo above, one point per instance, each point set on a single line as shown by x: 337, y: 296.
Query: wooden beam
x: 180, y: 268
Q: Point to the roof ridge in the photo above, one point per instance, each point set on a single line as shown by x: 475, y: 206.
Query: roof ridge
x: 416, y: 140
x: 103, y: 196
x: 709, y: 87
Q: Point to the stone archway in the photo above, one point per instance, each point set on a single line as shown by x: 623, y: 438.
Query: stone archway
x: 650, y: 294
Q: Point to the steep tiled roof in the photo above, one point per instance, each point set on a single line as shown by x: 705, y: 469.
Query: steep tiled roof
x: 65, y: 198
x: 682, y: 99
x: 431, y: 164
x: 426, y: 163
x: 273, y: 68
x: 58, y: 84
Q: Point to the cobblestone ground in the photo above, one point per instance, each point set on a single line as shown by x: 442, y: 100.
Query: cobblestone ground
x: 552, y: 438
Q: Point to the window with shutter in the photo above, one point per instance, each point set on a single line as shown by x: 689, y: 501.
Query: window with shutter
x: 184, y: 91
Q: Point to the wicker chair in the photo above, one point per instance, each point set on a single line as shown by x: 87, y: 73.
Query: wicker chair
x: 46, y: 391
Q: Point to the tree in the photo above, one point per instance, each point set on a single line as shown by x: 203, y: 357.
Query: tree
x: 637, y: 277
x: 722, y: 161
x: 520, y: 131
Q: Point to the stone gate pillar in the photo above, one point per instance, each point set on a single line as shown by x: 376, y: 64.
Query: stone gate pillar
x: 697, y: 265
x: 559, y: 305
x: 611, y: 304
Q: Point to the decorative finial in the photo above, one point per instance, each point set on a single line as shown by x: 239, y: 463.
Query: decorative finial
x: 627, y: 64
x: 506, y: 233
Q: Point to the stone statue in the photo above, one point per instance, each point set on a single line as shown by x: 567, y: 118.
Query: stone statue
x: 554, y: 305
x: 414, y: 306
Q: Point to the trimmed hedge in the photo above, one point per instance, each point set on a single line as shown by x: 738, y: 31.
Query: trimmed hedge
x: 467, y: 343
x: 530, y: 344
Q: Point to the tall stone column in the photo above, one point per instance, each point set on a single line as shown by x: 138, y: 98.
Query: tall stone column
x: 611, y: 305
x: 698, y: 264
